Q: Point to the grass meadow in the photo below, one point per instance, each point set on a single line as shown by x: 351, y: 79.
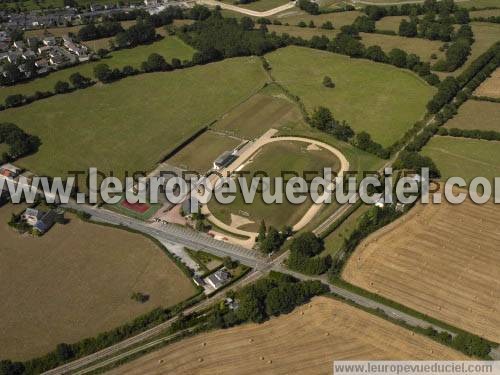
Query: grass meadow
x: 76, y: 282
x: 169, y: 47
x: 377, y: 98
x: 475, y: 114
x: 200, y: 154
x: 466, y: 158
x: 133, y: 123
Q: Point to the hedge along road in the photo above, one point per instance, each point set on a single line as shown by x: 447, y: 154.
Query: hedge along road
x: 268, y: 138
x: 248, y: 12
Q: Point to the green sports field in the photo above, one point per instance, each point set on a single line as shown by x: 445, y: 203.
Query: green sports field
x: 133, y: 123
x: 466, y: 158
x: 169, y: 47
x: 377, y: 98
x: 273, y: 159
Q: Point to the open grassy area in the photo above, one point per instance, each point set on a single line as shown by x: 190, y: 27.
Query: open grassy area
x: 263, y: 111
x: 421, y: 47
x: 169, y: 47
x: 377, y: 98
x: 275, y: 158
x: 474, y: 114
x: 335, y: 240
x: 76, y: 282
x: 390, y: 23
x: 132, y: 124
x: 337, y: 19
x: 305, y: 341
x: 479, y: 3
x: 486, y: 13
x: 466, y: 158
x: 207, y: 261
x: 491, y: 86
x: 200, y: 154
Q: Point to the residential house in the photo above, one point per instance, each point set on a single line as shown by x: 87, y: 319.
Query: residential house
x: 44, y: 49
x: 9, y: 171
x: 19, y: 44
x: 42, y: 63
x: 49, y: 41
x: 4, y: 47
x: 40, y: 220
x: 29, y: 54
x: 218, y: 278
x: 14, y: 56
x: 32, y: 41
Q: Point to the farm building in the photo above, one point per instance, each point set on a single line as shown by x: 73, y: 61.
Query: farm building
x: 224, y: 160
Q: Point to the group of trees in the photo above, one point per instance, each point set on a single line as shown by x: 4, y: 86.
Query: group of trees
x: 20, y: 143
x: 413, y: 160
x: 216, y: 38
x: 308, y: 6
x: 102, y: 30
x: 489, y: 135
x: 447, y: 90
x: 142, y: 32
x: 322, y: 119
x: 277, y: 294
x: 458, y: 51
x: 304, y: 255
x: 270, y: 239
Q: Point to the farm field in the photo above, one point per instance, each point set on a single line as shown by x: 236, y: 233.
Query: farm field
x: 475, y: 114
x: 467, y: 158
x: 131, y: 124
x: 485, y: 13
x: 200, y: 154
x: 274, y: 158
x: 337, y: 19
x: 263, y: 111
x: 421, y: 47
x: 75, y: 282
x: 479, y: 3
x: 291, y: 344
x: 439, y: 259
x: 490, y: 87
x: 169, y: 47
x: 390, y: 22
x: 377, y: 98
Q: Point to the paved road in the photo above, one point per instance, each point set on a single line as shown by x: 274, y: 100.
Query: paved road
x: 176, y: 234
x: 248, y: 12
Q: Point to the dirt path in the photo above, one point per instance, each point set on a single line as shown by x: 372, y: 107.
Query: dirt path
x: 249, y: 12
x: 268, y: 138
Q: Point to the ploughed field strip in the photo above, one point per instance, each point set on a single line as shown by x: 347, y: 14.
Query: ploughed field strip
x: 441, y: 260
x: 305, y: 341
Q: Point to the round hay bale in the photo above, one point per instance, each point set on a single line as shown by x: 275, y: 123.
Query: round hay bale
x: 261, y: 358
x: 204, y: 344
x: 250, y: 340
x: 160, y: 361
x: 270, y: 361
x: 200, y: 359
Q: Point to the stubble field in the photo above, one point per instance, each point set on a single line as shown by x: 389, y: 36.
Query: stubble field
x: 306, y: 341
x: 441, y: 260
x: 76, y: 282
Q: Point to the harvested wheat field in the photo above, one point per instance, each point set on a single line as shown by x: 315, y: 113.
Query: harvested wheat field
x: 490, y: 87
x: 306, y: 341
x: 441, y: 260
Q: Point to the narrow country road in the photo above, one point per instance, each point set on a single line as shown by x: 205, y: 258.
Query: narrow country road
x: 175, y: 234
x: 248, y: 12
